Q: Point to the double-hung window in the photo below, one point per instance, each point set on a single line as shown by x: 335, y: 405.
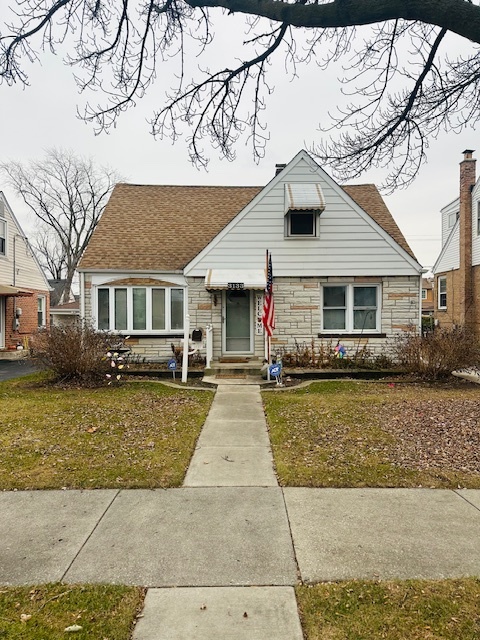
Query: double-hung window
x: 140, y: 309
x: 41, y: 320
x: 442, y: 292
x: 351, y: 308
x: 3, y: 237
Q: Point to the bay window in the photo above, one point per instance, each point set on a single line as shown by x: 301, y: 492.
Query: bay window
x: 351, y: 308
x: 140, y: 309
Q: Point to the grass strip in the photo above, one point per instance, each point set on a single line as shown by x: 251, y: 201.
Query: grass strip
x: 44, y: 612
x: 413, y: 609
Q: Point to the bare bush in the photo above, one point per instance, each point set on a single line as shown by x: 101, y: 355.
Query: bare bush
x: 435, y: 355
x: 74, y: 353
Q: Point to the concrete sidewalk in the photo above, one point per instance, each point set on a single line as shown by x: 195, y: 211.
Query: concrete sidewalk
x: 233, y: 550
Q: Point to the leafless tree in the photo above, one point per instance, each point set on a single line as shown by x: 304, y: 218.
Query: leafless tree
x: 50, y: 252
x: 67, y: 194
x: 405, y: 88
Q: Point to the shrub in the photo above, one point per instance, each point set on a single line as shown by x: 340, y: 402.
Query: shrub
x: 436, y: 354
x: 75, y: 353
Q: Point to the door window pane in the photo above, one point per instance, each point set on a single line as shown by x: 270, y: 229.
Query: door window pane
x: 120, y: 309
x: 176, y: 304
x: 139, y: 309
x: 237, y: 321
x: 158, y: 309
x: 103, y: 309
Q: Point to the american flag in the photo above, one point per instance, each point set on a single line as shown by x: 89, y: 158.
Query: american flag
x: 268, y: 315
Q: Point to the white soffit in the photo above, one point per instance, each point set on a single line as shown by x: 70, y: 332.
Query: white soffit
x: 303, y: 196
x: 235, y: 279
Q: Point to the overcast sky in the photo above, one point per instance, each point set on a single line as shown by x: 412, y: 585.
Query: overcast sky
x: 44, y: 115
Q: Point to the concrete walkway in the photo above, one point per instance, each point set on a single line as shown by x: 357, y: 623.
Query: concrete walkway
x: 231, y: 542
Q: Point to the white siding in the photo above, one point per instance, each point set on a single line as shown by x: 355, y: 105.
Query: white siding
x: 19, y: 266
x: 452, y: 208
x: 450, y: 256
x: 349, y: 243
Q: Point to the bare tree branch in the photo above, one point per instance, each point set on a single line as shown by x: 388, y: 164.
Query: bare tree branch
x: 67, y: 194
x: 405, y: 88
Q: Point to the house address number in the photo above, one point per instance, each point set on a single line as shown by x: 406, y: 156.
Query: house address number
x: 236, y: 285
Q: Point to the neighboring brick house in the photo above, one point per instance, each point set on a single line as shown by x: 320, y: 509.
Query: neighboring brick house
x: 427, y: 297
x: 457, y: 269
x: 24, y: 290
x: 342, y: 269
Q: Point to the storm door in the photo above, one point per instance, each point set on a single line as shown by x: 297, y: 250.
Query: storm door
x: 237, y: 321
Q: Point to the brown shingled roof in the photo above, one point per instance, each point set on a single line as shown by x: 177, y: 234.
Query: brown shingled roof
x: 162, y: 228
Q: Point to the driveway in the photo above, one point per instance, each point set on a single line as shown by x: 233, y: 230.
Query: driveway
x: 15, y: 368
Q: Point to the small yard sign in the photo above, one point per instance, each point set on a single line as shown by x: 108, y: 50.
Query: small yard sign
x: 172, y: 366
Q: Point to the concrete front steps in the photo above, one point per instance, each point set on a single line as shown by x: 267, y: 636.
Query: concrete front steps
x: 235, y: 368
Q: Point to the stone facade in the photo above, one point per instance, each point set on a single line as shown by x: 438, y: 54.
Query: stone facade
x: 297, y: 315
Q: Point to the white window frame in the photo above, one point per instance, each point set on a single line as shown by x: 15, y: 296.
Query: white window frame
x: 148, y: 309
x: 442, y: 280
x: 452, y: 218
x: 349, y: 308
x: 424, y: 294
x: 478, y: 218
x: 288, y: 224
x: 3, y: 236
x: 42, y: 308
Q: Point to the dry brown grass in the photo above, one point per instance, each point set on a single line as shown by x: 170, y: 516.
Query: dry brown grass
x: 358, y: 434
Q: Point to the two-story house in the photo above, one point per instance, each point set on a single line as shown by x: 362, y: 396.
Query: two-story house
x: 24, y: 290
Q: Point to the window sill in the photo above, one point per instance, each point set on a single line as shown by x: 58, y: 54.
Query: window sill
x: 340, y: 335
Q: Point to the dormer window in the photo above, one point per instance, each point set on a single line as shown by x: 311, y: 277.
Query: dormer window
x: 304, y: 202
x: 302, y: 223
x: 452, y: 218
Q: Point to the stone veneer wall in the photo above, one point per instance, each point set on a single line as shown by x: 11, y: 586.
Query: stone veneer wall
x: 297, y: 310
x: 297, y: 313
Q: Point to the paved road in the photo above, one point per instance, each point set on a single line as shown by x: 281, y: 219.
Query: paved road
x: 15, y: 368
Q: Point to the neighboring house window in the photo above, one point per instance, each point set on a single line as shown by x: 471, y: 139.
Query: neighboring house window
x: 302, y: 223
x: 41, y: 311
x: 452, y: 218
x: 351, y: 308
x: 424, y: 294
x: 478, y: 218
x: 140, y: 309
x: 3, y: 237
x: 442, y: 292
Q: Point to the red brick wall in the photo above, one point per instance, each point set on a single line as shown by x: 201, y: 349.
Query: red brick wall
x: 28, y: 321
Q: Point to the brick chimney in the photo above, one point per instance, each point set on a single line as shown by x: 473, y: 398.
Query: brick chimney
x: 467, y: 182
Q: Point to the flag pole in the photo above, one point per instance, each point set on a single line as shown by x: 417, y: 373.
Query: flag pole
x: 267, y: 337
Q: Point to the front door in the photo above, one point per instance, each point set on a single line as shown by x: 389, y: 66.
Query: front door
x: 237, y: 322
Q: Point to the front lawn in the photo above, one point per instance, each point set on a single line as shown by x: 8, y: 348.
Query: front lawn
x: 413, y: 609
x: 45, y: 612
x: 139, y: 434
x: 366, y: 434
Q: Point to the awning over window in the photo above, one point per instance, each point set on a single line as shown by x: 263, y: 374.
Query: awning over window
x: 7, y: 290
x: 235, y: 279
x: 301, y: 196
